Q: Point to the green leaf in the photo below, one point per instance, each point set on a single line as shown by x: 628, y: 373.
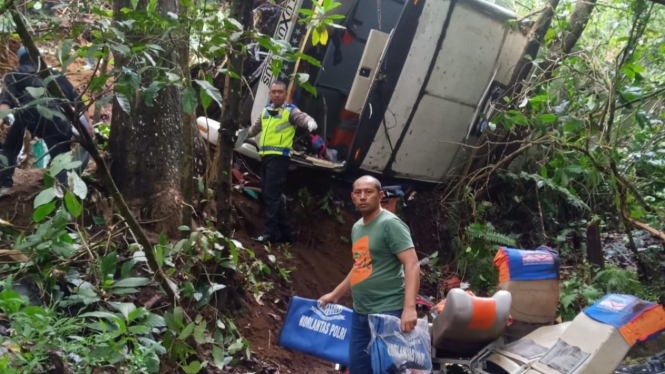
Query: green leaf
x: 85, y: 296
x: 58, y: 163
x: 43, y: 211
x: 543, y: 172
x: 519, y: 119
x: 124, y: 308
x: 135, y: 3
x: 315, y: 37
x: 152, y: 7
x: 159, y: 255
x: 124, y: 291
x: 199, y: 333
x: 309, y: 88
x: 63, y: 249
x: 154, y: 321
x: 152, y: 91
x: 131, y: 282
x: 73, y: 205
x: 276, y: 67
x: 44, y: 197
x: 193, y: 368
x: 108, y: 264
x: 140, y: 330
x: 77, y: 185
x: 102, y: 315
x: 209, y: 90
x: 123, y: 49
x: 189, y: 101
x: 335, y: 17
x: 103, y: 101
x: 127, y: 268
x: 36, y: 92
x: 567, y: 300
x: 49, y: 113
x: 323, y: 35
x: 235, y: 347
x: 574, y: 169
x: 187, y: 331
x: 97, y: 83
x: 234, y: 251
x: 547, y: 118
x: 311, y: 60
x: 218, y: 356
x: 124, y: 103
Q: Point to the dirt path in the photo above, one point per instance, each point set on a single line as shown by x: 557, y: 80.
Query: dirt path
x: 319, y: 268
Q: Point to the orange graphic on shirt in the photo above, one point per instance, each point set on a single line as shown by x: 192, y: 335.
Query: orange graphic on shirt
x: 362, y: 268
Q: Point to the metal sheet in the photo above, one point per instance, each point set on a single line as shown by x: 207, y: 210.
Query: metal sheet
x: 408, y: 86
x: 509, y: 55
x: 467, y: 57
x: 433, y: 139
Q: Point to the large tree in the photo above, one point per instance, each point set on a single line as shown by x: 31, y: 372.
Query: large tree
x: 146, y: 140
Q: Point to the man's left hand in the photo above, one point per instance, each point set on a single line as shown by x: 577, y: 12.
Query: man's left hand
x: 409, y: 319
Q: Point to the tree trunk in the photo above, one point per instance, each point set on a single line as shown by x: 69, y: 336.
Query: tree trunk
x: 146, y: 144
x: 594, y: 246
x: 230, y: 298
x: 241, y: 11
x: 578, y: 20
x: 530, y: 52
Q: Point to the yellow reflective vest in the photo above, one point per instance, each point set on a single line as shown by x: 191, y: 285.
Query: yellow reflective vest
x: 277, y: 132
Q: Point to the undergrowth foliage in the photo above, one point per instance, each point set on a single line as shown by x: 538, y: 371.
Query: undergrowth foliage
x: 79, y: 291
x: 582, y: 142
x: 68, y: 301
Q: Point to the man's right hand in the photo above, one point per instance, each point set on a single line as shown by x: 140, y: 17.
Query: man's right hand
x: 328, y: 299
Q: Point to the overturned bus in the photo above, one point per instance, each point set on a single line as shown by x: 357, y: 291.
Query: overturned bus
x: 401, y: 88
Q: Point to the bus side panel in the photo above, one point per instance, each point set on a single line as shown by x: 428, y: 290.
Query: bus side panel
x: 463, y: 69
x: 408, y: 86
x: 510, y: 55
x: 287, y: 23
x: 387, y: 79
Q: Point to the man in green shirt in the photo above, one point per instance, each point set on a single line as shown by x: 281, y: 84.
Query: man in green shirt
x: 386, y: 275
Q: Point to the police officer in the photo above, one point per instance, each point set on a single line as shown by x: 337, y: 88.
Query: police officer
x: 277, y: 125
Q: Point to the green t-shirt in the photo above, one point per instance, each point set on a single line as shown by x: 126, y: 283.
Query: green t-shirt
x: 377, y: 279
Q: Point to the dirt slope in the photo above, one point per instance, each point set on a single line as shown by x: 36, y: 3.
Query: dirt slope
x: 319, y: 267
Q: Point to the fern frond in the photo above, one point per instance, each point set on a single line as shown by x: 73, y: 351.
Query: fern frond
x: 500, y: 239
x: 488, y: 234
x: 540, y: 181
